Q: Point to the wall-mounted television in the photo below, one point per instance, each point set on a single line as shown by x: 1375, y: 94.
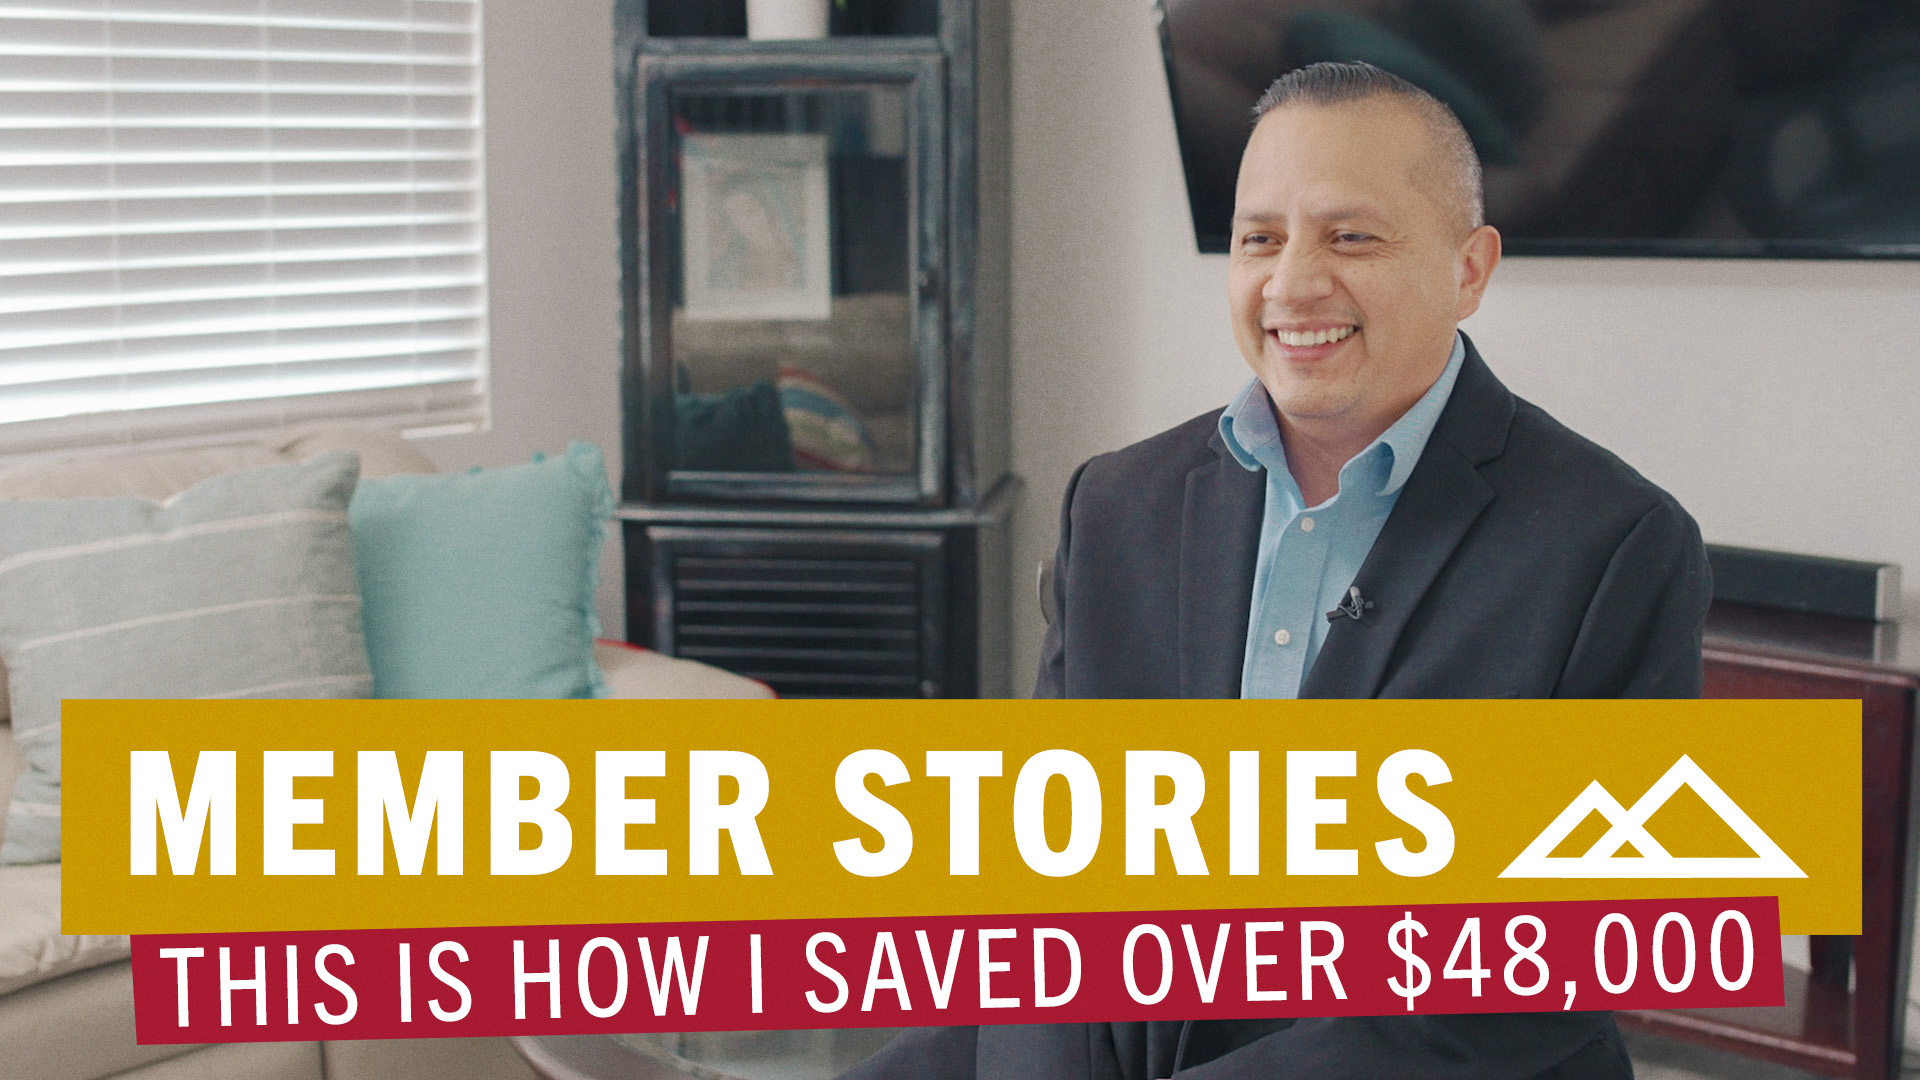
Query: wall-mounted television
x: 1606, y: 127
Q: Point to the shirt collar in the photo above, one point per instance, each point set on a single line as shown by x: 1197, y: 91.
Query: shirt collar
x: 1252, y: 435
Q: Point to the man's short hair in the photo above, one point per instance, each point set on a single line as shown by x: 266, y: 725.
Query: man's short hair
x: 1331, y: 83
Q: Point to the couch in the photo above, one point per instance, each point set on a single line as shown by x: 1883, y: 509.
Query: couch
x: 66, y: 1002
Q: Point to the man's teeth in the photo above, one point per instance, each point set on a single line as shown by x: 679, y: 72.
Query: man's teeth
x: 1317, y: 337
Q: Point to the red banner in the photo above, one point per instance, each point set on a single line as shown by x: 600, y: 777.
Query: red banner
x: 886, y: 972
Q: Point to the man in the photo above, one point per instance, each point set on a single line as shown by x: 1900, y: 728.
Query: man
x: 1373, y: 515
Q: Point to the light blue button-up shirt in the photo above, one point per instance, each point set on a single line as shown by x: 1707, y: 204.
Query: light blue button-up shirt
x: 1309, y: 555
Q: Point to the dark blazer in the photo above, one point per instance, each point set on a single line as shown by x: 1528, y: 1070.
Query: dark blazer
x: 1521, y: 560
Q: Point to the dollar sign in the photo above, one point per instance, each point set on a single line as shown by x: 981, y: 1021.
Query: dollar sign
x: 1401, y: 939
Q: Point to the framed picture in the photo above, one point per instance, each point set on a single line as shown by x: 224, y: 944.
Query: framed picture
x: 755, y: 231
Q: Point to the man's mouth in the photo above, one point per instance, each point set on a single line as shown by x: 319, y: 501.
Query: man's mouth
x: 1307, y: 338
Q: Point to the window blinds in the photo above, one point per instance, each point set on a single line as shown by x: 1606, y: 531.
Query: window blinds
x: 219, y: 217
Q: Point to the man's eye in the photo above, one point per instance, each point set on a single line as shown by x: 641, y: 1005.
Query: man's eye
x: 1351, y: 237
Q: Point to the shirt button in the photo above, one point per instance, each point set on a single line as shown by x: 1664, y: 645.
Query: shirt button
x: 1281, y: 637
x: 1306, y: 524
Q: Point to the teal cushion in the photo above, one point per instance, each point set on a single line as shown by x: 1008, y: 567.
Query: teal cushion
x: 738, y: 430
x: 481, y: 584
x: 1315, y: 35
x: 241, y: 586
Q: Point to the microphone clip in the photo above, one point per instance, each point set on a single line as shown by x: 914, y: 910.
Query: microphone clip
x: 1353, y: 607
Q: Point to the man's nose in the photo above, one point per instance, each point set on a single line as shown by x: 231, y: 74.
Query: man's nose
x: 1300, y: 277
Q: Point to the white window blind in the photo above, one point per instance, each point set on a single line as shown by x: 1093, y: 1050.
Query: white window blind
x: 219, y: 217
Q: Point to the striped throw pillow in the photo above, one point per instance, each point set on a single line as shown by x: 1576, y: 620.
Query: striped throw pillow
x: 827, y: 432
x: 242, y: 586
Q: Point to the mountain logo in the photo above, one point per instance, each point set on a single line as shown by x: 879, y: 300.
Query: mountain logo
x: 1629, y: 826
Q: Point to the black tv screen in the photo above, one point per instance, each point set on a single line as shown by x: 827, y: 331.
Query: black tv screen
x: 1631, y: 127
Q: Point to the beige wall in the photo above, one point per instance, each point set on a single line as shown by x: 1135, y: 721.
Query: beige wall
x: 551, y: 191
x: 1779, y: 401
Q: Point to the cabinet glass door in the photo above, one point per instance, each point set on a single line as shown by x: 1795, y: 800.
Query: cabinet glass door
x: 793, y: 306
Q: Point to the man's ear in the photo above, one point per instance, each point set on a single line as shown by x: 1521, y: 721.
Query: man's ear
x: 1473, y: 267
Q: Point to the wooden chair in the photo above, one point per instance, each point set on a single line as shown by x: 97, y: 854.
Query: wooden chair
x: 1825, y: 1026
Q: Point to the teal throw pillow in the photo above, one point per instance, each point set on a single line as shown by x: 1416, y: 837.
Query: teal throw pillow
x: 481, y: 584
x: 738, y: 430
x: 242, y: 586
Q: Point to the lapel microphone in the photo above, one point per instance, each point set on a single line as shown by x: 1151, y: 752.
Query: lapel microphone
x: 1353, y: 607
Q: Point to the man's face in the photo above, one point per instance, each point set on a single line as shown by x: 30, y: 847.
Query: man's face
x: 1350, y: 269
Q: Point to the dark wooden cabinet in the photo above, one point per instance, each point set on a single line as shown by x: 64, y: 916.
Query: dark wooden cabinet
x: 837, y: 605
x: 1847, y: 1017
x: 814, y: 282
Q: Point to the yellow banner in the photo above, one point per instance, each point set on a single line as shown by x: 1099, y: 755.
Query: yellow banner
x: 205, y: 817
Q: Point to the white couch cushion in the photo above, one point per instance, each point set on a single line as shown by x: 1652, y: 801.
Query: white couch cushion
x: 152, y: 475
x: 78, y: 1027
x: 382, y: 453
x: 156, y: 474
x: 240, y: 1061
x: 634, y: 672
x: 32, y: 948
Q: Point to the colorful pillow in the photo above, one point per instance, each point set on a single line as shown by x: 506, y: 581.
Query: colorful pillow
x: 240, y: 586
x: 827, y: 432
x: 481, y: 584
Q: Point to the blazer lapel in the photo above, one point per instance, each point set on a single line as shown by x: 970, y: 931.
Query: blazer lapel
x: 1442, y: 499
x: 1219, y: 543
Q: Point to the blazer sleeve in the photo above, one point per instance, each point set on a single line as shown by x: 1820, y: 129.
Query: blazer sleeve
x: 1052, y: 680
x: 1642, y: 631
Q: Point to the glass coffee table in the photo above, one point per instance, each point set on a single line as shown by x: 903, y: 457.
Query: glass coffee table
x: 720, y: 1055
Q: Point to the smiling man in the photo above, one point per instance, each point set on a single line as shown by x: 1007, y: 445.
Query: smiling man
x: 1374, y: 515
